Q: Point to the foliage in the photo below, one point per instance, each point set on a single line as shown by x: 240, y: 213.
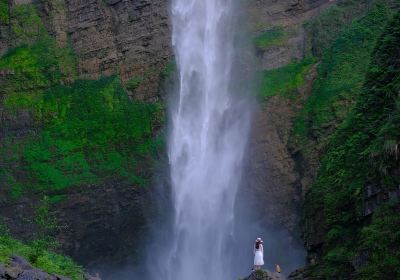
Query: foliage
x: 341, y: 74
x: 92, y: 132
x: 285, y: 80
x: 134, y: 83
x: 26, y: 25
x: 45, y: 260
x: 275, y: 36
x: 80, y: 133
x: 382, y: 240
x: 363, y: 151
x: 325, y: 28
x: 169, y: 68
x: 4, y: 12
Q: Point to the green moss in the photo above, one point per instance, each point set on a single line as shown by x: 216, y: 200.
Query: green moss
x: 363, y: 151
x: 4, y: 12
x: 36, y: 68
x: 275, y: 36
x: 26, y: 25
x: 91, y: 132
x: 169, y: 68
x: 381, y: 239
x: 324, y: 29
x: 56, y: 199
x: 285, y: 80
x: 341, y: 73
x: 44, y: 260
x: 134, y: 83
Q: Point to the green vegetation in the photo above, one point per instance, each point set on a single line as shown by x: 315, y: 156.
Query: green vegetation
x: 40, y: 251
x: 169, y: 68
x: 92, y: 132
x: 38, y: 255
x: 134, y: 83
x: 4, y: 12
x: 286, y: 80
x: 364, y: 150
x: 82, y: 132
x: 26, y: 25
x: 325, y: 28
x: 63, y: 133
x: 381, y: 240
x: 275, y: 36
x: 341, y: 73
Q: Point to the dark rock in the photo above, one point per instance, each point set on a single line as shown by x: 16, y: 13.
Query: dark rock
x: 35, y: 274
x: 265, y: 275
x: 301, y: 274
x: 21, y: 262
x: 112, y: 2
x: 13, y: 271
x: 2, y: 270
x: 20, y: 269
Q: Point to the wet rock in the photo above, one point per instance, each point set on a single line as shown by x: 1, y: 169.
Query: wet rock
x: 20, y: 262
x: 273, y: 176
x: 35, y: 274
x: 2, y: 270
x: 265, y: 275
x: 12, y: 272
x: 301, y: 274
x: 21, y: 269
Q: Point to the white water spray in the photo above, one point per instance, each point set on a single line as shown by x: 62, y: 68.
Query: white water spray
x: 210, y: 124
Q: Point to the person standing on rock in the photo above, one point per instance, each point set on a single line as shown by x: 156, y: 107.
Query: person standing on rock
x: 258, y: 254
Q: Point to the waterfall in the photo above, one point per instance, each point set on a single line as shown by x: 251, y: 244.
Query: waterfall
x: 209, y: 130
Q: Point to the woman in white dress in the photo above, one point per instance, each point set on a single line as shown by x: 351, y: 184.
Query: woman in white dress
x: 258, y: 254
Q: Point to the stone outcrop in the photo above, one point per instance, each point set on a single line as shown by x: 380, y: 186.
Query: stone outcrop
x: 265, y: 275
x: 20, y: 269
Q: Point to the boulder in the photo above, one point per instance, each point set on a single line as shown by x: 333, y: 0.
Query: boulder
x: 265, y: 275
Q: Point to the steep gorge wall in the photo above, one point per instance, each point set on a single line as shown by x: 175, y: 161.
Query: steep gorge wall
x: 129, y: 39
x: 280, y: 39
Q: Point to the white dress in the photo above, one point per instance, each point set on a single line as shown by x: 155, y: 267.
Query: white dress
x: 259, y: 255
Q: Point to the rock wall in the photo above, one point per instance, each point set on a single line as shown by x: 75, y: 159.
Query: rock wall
x: 89, y: 220
x: 126, y: 37
x: 289, y: 15
x: 131, y: 38
x: 275, y: 178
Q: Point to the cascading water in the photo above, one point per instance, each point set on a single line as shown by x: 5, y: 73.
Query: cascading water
x: 210, y: 124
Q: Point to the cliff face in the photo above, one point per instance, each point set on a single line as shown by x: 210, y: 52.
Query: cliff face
x: 307, y: 103
x: 95, y: 178
x: 280, y: 39
x: 128, y: 38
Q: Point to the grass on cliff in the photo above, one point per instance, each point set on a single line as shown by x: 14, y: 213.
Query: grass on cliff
x: 325, y: 28
x: 285, y: 80
x: 41, y: 259
x: 91, y: 132
x: 76, y: 133
x: 275, y: 36
x: 363, y: 151
x: 4, y: 12
x: 40, y: 250
x: 341, y: 74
